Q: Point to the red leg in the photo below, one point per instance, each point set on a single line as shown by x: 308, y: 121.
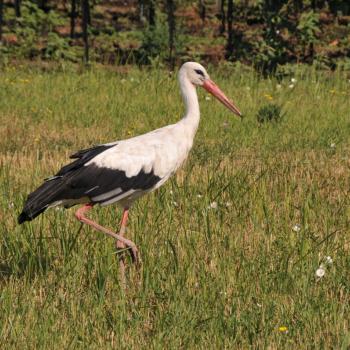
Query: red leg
x: 121, y: 245
x: 80, y: 215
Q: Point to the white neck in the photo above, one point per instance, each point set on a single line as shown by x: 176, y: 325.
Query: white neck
x: 189, y: 95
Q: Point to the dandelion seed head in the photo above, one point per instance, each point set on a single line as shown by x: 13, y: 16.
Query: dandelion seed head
x: 320, y: 272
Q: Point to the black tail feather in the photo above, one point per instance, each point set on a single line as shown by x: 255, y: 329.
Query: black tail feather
x: 26, y: 216
x: 38, y: 201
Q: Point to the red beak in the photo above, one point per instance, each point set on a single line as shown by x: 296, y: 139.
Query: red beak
x: 211, y: 87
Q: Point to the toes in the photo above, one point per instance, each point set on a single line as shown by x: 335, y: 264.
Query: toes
x: 135, y: 257
x: 120, y: 245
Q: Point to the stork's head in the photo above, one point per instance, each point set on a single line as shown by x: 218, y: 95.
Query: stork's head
x: 195, y: 73
x: 198, y: 76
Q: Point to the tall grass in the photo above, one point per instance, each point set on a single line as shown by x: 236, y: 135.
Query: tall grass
x: 223, y: 264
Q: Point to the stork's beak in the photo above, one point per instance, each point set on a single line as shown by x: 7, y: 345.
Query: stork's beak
x: 211, y: 87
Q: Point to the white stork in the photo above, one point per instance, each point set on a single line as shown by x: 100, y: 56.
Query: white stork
x: 122, y: 171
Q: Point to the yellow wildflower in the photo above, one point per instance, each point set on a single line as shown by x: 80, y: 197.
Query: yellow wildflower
x: 283, y: 329
x: 269, y: 97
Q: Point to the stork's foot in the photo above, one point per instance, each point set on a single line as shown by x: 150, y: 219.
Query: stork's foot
x: 131, y: 248
x: 121, y: 250
x: 121, y: 256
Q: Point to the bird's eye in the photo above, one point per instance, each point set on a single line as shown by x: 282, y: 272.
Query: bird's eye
x: 200, y: 72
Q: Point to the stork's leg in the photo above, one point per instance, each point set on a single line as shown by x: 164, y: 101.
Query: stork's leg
x: 80, y: 215
x: 121, y: 245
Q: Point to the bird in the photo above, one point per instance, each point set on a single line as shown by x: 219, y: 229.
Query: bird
x: 122, y: 171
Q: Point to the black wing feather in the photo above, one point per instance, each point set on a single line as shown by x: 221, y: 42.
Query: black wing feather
x: 83, y: 156
x: 76, y: 180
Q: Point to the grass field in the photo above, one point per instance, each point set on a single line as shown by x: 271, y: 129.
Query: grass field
x: 230, y: 246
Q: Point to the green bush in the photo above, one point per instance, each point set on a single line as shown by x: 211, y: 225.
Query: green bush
x: 154, y: 43
x: 36, y: 36
x: 270, y: 113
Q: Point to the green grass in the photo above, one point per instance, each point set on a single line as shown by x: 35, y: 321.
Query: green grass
x: 211, y: 278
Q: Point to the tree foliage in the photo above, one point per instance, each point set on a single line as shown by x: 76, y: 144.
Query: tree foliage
x: 263, y: 33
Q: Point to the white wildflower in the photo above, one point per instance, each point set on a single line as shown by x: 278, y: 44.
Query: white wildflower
x: 329, y: 260
x: 225, y: 124
x: 291, y: 86
x: 228, y: 204
x: 171, y: 192
x: 213, y: 205
x: 199, y: 196
x: 175, y: 204
x: 279, y: 86
x: 277, y: 31
x: 296, y: 228
x: 320, y: 272
x: 207, y: 98
x: 11, y: 205
x: 293, y: 80
x: 332, y: 145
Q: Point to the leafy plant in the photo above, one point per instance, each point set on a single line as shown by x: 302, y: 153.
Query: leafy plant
x: 308, y: 29
x: 154, y: 43
x: 36, y: 37
x: 58, y: 48
x: 271, y: 50
x: 270, y: 113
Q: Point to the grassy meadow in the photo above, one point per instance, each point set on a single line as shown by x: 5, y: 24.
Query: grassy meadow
x: 230, y: 246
